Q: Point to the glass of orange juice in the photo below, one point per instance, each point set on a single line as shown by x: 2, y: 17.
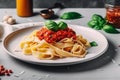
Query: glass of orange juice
x: 24, y: 8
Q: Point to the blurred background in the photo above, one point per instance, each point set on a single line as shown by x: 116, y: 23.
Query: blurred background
x: 49, y: 3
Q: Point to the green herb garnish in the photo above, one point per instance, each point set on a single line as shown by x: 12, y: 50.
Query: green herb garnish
x: 109, y: 29
x: 93, y: 44
x: 71, y: 15
x: 99, y: 23
x: 52, y: 25
x: 62, y: 25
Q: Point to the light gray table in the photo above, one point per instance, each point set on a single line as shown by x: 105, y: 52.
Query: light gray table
x: 106, y: 67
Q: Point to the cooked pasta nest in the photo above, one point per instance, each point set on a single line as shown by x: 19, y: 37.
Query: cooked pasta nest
x: 67, y: 47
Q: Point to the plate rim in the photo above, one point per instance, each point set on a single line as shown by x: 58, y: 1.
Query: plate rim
x: 56, y: 63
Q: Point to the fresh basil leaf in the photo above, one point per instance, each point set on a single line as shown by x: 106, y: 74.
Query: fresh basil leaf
x: 93, y: 43
x: 71, y: 15
x: 51, y: 25
x: 62, y: 25
x: 110, y: 29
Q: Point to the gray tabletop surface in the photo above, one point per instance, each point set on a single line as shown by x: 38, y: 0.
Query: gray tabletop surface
x: 105, y: 67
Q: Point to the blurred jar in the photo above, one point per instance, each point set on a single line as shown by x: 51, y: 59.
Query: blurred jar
x: 24, y: 8
x: 113, y: 12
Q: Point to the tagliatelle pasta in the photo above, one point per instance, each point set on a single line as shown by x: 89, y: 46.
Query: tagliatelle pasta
x: 67, y: 47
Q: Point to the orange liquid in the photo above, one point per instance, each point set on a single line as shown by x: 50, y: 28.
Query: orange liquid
x: 113, y: 16
x: 24, y: 8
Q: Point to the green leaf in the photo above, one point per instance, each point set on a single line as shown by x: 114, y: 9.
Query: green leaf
x: 102, y: 22
x: 70, y: 15
x: 62, y: 25
x: 110, y: 29
x: 51, y: 25
x: 97, y: 17
x: 93, y: 43
x: 92, y: 23
x: 97, y: 22
x: 97, y: 27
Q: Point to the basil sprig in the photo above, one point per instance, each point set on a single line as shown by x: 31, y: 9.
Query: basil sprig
x: 99, y: 23
x: 52, y: 25
x: 70, y: 15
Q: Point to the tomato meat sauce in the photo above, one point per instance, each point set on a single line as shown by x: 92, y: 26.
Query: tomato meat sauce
x: 55, y: 36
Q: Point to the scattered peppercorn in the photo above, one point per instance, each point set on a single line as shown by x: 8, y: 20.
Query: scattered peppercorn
x: 4, y: 71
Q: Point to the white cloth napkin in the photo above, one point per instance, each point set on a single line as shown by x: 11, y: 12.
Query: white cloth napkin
x: 6, y: 29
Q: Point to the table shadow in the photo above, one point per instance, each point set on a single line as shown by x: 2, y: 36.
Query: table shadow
x: 101, y: 61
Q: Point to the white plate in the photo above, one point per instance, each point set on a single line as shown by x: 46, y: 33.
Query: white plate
x: 13, y: 39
